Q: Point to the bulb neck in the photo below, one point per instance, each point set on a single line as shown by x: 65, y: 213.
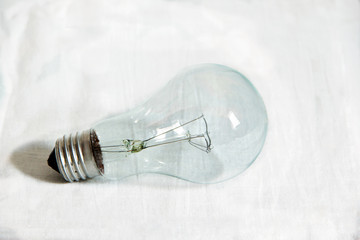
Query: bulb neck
x: 78, y: 156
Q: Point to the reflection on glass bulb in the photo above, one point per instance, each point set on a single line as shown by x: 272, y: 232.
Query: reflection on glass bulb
x: 207, y: 125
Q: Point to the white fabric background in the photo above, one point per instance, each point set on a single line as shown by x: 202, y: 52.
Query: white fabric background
x: 66, y: 64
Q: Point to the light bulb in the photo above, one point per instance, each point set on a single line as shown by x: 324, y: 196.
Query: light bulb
x: 207, y: 125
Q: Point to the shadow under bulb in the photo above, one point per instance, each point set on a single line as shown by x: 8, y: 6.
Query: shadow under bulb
x: 207, y: 125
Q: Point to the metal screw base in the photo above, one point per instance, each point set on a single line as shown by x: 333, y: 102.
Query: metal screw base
x: 74, y: 157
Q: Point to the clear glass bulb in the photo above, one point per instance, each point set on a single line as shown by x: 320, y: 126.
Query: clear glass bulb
x: 207, y: 125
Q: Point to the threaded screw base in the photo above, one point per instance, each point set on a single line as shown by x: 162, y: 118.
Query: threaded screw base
x: 74, y: 156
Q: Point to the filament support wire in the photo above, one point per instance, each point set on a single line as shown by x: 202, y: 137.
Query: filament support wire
x: 133, y: 146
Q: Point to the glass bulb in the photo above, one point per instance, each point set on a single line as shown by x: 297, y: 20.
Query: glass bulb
x: 207, y: 125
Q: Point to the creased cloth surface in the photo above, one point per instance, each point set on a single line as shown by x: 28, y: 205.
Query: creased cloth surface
x: 66, y: 64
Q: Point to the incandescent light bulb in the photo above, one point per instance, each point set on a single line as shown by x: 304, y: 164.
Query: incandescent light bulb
x: 207, y: 125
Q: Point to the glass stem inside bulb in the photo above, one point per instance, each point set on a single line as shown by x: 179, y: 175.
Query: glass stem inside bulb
x: 176, y: 134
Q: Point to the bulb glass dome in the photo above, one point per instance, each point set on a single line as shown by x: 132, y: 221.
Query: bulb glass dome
x: 208, y: 124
